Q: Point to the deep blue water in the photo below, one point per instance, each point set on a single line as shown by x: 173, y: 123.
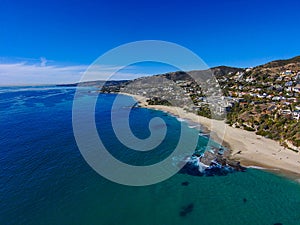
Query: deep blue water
x: 45, y: 180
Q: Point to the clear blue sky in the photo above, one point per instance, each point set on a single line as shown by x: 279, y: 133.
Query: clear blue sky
x: 224, y: 32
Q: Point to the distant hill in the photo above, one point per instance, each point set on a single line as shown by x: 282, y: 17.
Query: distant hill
x: 219, y: 71
x: 225, y: 70
x: 276, y: 67
x: 205, y: 74
x: 96, y: 83
x: 282, y: 62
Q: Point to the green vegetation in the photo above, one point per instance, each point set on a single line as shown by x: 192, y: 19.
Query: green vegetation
x: 158, y: 101
x: 264, y: 99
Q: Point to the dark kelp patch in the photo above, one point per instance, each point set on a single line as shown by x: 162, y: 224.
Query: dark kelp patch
x: 186, y: 209
x: 185, y: 183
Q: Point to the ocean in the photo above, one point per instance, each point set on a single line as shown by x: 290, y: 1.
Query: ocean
x: 45, y: 180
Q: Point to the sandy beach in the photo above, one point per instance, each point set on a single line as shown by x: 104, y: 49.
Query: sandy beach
x: 247, y: 147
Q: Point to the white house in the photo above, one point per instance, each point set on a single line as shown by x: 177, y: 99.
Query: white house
x: 296, y: 88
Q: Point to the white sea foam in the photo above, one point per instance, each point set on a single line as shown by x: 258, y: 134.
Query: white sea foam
x: 256, y: 167
x: 204, y: 135
x: 202, y: 167
x: 180, y: 120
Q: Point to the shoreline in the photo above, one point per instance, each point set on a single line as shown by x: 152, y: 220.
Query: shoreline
x: 249, y: 149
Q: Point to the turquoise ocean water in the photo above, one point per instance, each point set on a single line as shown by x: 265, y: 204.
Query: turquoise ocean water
x: 45, y: 180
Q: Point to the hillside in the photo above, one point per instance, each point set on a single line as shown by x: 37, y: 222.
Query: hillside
x: 283, y: 63
x: 264, y: 99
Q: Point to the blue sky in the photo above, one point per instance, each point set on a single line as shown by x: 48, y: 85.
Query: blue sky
x: 44, y: 38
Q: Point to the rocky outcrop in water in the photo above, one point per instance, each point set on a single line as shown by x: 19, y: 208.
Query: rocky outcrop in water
x: 214, y: 162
